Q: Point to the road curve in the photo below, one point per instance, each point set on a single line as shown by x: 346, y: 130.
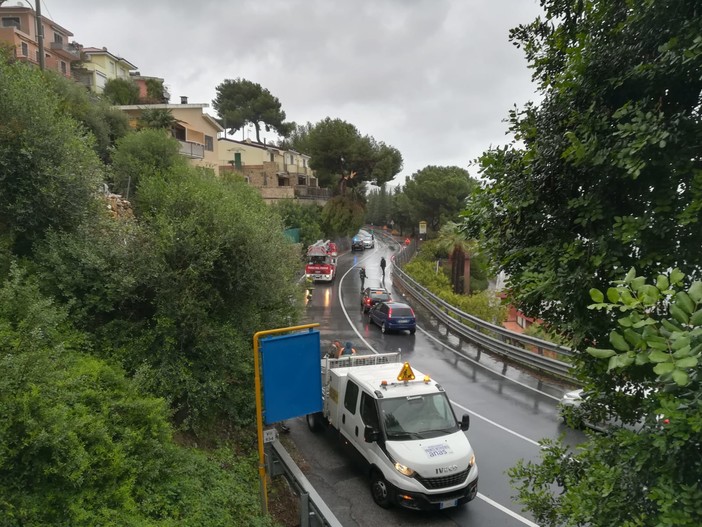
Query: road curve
x: 510, y: 409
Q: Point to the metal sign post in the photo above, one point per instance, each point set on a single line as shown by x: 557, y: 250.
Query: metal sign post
x: 422, y: 231
x: 263, y: 438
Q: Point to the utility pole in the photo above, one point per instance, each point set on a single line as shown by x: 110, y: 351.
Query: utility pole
x: 40, y: 33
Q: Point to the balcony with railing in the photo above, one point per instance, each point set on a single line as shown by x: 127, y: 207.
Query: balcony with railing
x: 312, y: 193
x: 192, y: 150
x: 68, y: 51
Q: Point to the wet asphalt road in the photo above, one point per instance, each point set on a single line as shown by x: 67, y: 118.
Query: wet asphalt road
x: 510, y: 409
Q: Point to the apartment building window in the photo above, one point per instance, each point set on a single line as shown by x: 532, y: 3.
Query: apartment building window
x: 25, y: 49
x: 63, y: 67
x: 179, y: 133
x: 58, y: 38
x: 11, y: 21
x: 100, y: 81
x: 209, y: 143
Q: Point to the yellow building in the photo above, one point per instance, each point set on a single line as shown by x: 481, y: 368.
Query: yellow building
x: 18, y: 29
x: 100, y: 66
x: 195, y: 130
x: 276, y: 173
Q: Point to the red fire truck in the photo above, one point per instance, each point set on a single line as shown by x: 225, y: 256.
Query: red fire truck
x: 321, y: 265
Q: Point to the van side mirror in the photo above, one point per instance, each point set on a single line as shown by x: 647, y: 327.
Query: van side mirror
x: 370, y: 434
x: 465, y: 422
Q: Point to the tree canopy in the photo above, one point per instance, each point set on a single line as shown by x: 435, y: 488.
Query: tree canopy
x: 121, y: 91
x: 337, y: 149
x: 241, y: 101
x: 438, y: 194
x: 606, y: 172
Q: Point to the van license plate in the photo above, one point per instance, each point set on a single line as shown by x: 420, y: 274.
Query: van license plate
x: 447, y: 504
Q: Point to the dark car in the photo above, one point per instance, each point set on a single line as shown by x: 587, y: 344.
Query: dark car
x: 393, y: 316
x: 373, y: 295
x: 357, y: 244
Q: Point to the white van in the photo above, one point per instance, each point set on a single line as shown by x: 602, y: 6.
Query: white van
x: 402, y: 423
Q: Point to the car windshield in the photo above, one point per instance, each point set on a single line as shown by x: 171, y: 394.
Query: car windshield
x: 417, y: 416
x: 401, y: 312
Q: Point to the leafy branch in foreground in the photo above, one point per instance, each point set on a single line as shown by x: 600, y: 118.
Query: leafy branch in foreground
x: 648, y: 472
x: 646, y: 334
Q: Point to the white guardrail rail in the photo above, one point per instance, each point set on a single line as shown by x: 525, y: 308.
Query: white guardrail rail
x: 313, y: 511
x: 522, y: 349
x: 531, y: 352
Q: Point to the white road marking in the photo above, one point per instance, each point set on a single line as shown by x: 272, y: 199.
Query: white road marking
x: 504, y: 509
x: 487, y: 500
x: 489, y: 369
x: 498, y: 425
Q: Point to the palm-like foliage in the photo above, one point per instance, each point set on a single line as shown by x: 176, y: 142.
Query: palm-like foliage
x: 460, y: 249
x: 158, y: 118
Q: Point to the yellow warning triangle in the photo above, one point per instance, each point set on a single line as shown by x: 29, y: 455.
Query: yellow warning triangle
x: 406, y: 373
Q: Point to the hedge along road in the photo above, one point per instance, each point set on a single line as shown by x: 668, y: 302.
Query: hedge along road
x: 510, y: 409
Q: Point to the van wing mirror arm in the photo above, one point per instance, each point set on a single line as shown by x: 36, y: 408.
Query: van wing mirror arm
x: 370, y: 434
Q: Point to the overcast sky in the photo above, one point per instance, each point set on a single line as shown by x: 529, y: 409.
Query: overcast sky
x: 433, y: 78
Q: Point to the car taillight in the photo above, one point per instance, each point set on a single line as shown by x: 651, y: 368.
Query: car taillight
x: 412, y: 311
x: 368, y: 301
x: 389, y: 313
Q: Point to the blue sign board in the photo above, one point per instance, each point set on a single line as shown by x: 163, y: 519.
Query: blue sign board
x: 292, y: 375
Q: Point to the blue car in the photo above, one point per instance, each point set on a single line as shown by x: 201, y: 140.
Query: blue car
x: 393, y: 316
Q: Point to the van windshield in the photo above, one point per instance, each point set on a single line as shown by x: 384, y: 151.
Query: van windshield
x: 417, y: 417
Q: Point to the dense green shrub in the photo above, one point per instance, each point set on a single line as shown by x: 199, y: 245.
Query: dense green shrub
x: 105, y: 123
x: 542, y: 332
x: 121, y: 91
x: 223, y: 271
x: 136, y: 155
x: 103, y: 273
x: 80, y: 445
x: 307, y: 218
x: 49, y: 170
x: 435, y: 251
x: 484, y: 305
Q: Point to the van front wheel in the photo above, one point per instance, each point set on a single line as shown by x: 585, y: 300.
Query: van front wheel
x: 380, y: 490
x: 315, y: 421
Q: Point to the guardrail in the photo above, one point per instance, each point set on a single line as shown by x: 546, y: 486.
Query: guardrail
x: 313, y: 511
x: 528, y: 351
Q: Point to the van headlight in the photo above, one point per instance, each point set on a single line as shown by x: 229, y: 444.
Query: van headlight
x: 404, y: 470
x: 471, y: 461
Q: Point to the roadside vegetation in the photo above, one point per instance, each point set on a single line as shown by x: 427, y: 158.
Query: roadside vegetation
x: 604, y: 176
x: 127, y: 386
x: 430, y: 267
x: 125, y: 333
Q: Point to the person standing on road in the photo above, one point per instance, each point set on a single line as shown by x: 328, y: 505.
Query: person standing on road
x: 382, y: 265
x: 348, y: 350
x: 362, y: 274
